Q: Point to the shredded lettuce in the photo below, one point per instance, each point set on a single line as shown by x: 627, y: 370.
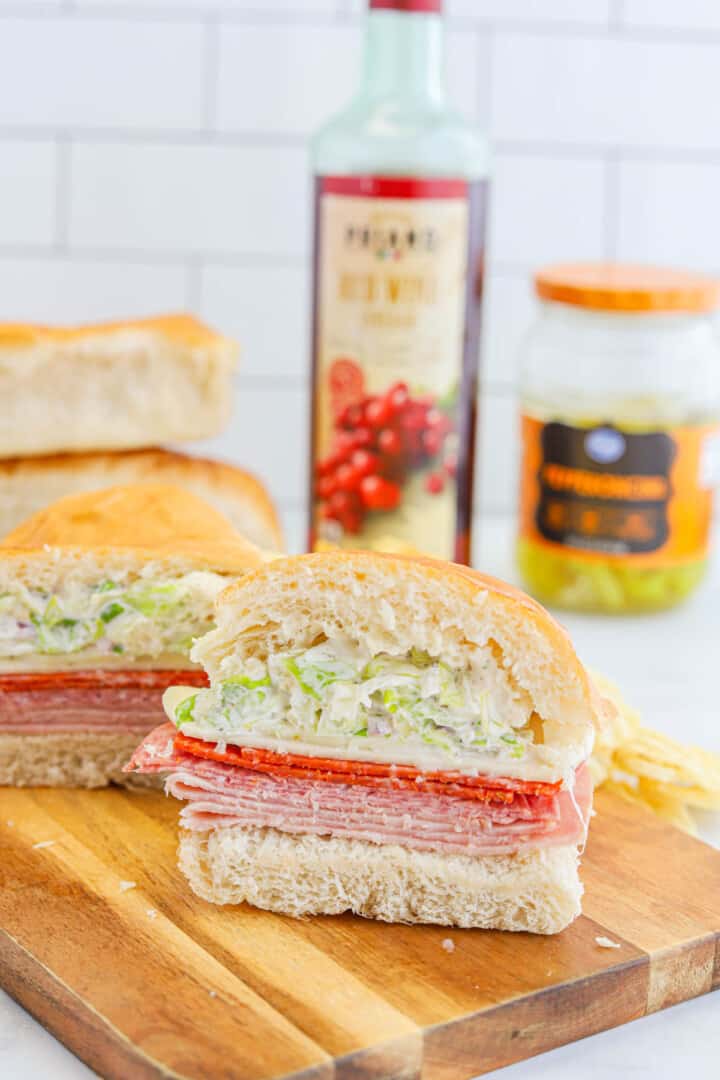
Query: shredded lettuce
x: 331, y: 691
x: 111, y: 612
x: 184, y: 713
x: 140, y: 618
x: 154, y: 599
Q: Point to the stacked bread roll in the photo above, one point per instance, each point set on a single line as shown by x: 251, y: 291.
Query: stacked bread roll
x: 88, y: 407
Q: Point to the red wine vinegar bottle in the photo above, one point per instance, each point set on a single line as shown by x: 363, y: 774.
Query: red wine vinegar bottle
x: 400, y: 209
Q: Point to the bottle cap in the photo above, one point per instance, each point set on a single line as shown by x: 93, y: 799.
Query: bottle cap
x: 627, y: 287
x: 428, y: 6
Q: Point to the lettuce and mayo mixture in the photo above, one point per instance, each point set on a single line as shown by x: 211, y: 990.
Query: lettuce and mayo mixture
x: 333, y: 695
x: 141, y: 618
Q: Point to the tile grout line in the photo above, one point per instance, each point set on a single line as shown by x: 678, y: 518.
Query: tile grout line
x: 211, y: 74
x: 63, y: 188
x: 125, y: 256
x: 611, y: 207
x: 616, y: 24
x: 616, y: 16
x: 204, y: 138
x: 194, y: 285
x: 485, y: 108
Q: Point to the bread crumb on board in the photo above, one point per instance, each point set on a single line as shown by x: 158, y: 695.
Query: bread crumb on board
x: 448, y: 944
x: 125, y: 885
x: 606, y: 943
x: 151, y: 913
x: 43, y: 844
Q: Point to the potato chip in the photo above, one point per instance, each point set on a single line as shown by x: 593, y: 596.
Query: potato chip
x: 648, y: 768
x: 699, y: 797
x: 671, y: 810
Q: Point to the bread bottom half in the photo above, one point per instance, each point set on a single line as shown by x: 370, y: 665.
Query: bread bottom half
x: 73, y: 759
x: 537, y: 891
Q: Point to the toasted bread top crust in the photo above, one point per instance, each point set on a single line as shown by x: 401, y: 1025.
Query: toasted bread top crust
x: 180, y: 329
x: 150, y: 466
x: 154, y: 521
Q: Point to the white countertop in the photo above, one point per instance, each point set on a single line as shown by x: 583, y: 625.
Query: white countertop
x: 667, y: 666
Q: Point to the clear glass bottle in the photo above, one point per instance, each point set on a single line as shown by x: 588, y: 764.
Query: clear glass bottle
x: 400, y: 207
x: 620, y: 403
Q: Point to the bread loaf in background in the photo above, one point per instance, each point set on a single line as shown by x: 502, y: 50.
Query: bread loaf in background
x: 112, y: 386
x: 30, y: 484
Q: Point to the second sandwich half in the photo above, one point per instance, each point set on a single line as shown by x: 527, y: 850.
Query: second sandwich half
x: 101, y: 596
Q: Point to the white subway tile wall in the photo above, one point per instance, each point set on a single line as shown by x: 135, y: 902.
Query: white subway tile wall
x: 153, y: 157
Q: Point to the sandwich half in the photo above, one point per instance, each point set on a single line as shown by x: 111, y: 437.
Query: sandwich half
x: 101, y: 596
x: 112, y: 386
x: 29, y: 484
x: 402, y: 738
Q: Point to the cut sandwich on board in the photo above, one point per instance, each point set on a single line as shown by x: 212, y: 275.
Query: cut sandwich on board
x: 402, y: 738
x: 101, y: 597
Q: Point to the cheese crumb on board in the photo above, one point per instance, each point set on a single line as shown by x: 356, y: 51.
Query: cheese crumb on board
x: 606, y: 943
x: 43, y: 843
x: 448, y: 944
x: 125, y: 885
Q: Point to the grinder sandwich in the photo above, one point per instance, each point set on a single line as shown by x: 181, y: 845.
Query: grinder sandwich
x: 101, y: 596
x: 399, y: 737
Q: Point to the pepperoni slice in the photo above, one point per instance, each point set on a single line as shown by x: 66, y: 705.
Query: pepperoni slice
x: 108, y: 679
x: 367, y: 773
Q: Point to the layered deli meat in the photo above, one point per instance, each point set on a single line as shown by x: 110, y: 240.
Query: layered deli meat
x: 329, y: 740
x: 100, y: 701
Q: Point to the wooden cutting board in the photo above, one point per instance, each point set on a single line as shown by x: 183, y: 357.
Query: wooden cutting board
x: 150, y: 981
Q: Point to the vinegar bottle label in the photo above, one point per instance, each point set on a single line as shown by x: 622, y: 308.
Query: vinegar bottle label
x: 395, y: 342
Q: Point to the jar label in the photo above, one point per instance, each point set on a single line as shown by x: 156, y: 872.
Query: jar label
x: 604, y: 492
x: 394, y: 366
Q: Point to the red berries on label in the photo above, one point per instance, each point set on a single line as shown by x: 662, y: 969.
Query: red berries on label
x: 432, y: 441
x: 378, y: 441
x: 434, y: 483
x: 379, y: 494
x: 364, y: 463
x: 389, y: 442
x: 377, y: 412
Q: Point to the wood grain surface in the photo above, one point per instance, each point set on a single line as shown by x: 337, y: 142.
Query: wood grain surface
x: 150, y: 981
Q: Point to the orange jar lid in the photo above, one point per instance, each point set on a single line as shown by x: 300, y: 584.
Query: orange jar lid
x: 627, y: 287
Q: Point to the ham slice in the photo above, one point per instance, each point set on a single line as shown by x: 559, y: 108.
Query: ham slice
x: 46, y: 703
x: 219, y: 794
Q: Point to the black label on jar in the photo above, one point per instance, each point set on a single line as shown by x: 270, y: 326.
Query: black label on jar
x: 603, y: 489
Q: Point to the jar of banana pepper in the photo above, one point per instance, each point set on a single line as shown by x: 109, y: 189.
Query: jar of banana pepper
x: 620, y: 411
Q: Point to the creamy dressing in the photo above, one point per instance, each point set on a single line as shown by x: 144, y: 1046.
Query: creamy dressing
x: 106, y: 621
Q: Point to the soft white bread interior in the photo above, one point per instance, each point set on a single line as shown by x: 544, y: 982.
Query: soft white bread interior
x: 30, y: 484
x: 112, y: 386
x: 393, y: 604
x: 536, y: 891
x: 70, y: 759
